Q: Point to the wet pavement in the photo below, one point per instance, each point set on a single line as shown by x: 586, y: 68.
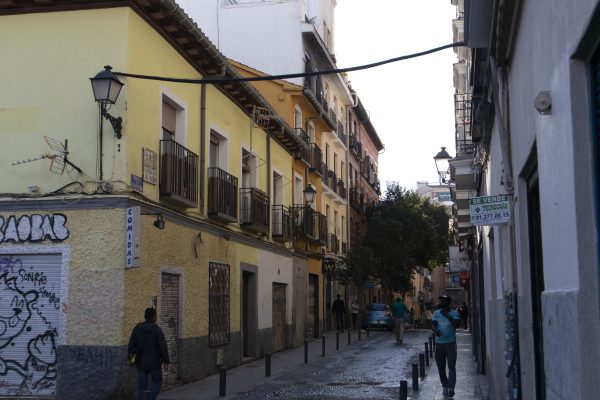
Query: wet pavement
x: 369, y: 369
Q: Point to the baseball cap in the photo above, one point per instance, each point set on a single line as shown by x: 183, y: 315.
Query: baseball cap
x: 445, y: 297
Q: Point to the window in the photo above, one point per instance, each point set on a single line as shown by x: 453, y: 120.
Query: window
x: 310, y: 126
x: 213, y: 156
x: 335, y: 223
x: 297, y: 117
x: 277, y: 189
x: 218, y: 307
x: 169, y: 121
x: 298, y: 192
x: 248, y: 169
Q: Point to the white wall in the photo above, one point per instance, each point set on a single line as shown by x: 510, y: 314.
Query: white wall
x: 273, y: 268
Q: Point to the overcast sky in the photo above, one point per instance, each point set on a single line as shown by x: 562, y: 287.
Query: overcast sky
x: 411, y: 103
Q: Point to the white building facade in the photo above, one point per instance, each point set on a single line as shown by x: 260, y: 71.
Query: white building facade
x: 530, y: 79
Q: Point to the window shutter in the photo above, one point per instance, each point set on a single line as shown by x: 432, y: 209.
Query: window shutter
x: 168, y: 117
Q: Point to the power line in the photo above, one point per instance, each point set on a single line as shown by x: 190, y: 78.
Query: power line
x: 287, y: 76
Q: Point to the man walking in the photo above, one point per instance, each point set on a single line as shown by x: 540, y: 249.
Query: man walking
x: 338, y: 309
x: 444, y: 324
x: 398, y: 311
x: 148, y: 344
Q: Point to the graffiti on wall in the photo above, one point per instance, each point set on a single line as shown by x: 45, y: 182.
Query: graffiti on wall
x: 33, y: 228
x: 30, y: 306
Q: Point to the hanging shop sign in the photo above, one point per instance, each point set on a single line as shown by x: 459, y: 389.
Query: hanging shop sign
x: 33, y: 228
x: 490, y: 210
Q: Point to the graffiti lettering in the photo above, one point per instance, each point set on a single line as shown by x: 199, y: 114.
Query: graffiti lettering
x: 53, y: 299
x: 97, y: 356
x: 33, y: 228
x: 8, y: 264
x: 37, y: 278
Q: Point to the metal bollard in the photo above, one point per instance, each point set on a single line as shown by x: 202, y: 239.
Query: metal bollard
x: 427, y: 354
x: 268, y: 364
x: 431, y: 347
x: 222, y: 382
x: 422, y: 365
x: 305, y: 351
x: 415, y: 378
x: 323, y: 346
x: 337, y: 340
x: 349, y: 336
x: 403, y: 390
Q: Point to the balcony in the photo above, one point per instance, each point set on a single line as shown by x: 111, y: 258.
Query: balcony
x: 332, y: 117
x: 341, y: 132
x: 331, y: 181
x: 222, y: 195
x: 303, y: 154
x: 309, y: 224
x: 178, y: 174
x: 254, y: 209
x: 333, y: 244
x: 341, y: 189
x: 355, y: 147
x: 282, y: 224
x: 316, y: 159
x: 344, y: 248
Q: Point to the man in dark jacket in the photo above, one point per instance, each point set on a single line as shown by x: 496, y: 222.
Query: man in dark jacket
x: 339, y: 310
x: 148, y: 343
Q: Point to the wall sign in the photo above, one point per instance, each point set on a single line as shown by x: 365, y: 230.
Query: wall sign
x: 490, y: 210
x: 149, y: 165
x: 132, y: 237
x: 33, y: 228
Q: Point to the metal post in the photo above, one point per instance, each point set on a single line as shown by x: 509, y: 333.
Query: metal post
x: 431, y: 347
x: 415, y: 378
x: 337, y: 340
x: 268, y: 364
x: 222, y: 381
x: 305, y: 351
x: 422, y: 365
x: 403, y: 390
x: 323, y: 346
x: 349, y: 336
x: 427, y: 354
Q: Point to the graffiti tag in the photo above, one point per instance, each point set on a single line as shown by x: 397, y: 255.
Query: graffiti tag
x: 33, y: 228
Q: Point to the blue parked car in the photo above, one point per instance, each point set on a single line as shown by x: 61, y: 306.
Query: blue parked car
x: 378, y: 315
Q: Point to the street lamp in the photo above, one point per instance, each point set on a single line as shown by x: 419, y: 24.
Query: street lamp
x: 106, y: 87
x: 309, y: 195
x: 442, y: 165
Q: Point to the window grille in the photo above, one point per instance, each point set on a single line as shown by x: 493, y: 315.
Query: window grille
x: 218, y: 307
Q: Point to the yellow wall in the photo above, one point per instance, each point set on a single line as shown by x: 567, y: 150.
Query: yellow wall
x: 58, y: 102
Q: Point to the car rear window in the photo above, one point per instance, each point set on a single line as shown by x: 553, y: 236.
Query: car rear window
x: 378, y: 307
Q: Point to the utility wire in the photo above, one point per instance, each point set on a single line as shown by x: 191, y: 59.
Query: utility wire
x: 287, y: 76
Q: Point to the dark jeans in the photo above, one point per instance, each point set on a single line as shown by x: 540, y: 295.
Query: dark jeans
x: 446, y: 352
x: 354, y: 315
x: 339, y: 322
x: 156, y: 375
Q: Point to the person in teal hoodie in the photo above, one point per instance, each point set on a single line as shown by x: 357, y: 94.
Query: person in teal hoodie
x: 398, y: 311
x: 444, y: 324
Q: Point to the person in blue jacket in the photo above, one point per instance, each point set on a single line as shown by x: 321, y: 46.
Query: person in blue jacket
x: 444, y: 323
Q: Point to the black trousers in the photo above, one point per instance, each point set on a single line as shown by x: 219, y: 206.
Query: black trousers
x: 446, y: 353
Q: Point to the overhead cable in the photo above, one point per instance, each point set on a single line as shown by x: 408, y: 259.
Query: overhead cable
x: 287, y: 76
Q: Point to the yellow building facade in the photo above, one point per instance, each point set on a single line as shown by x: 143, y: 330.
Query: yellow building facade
x: 178, y: 211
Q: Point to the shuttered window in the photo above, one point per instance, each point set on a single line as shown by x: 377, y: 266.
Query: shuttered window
x: 169, y: 115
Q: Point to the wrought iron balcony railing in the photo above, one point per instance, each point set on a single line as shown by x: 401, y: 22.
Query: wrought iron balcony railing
x: 344, y: 248
x: 316, y: 159
x: 355, y: 146
x: 222, y: 194
x: 341, y: 189
x: 332, y: 116
x: 341, y: 132
x: 178, y: 173
x: 322, y: 228
x: 283, y: 227
x: 303, y: 154
x: 304, y: 221
x: 357, y: 200
x: 254, y: 209
x: 331, y: 180
x: 333, y: 244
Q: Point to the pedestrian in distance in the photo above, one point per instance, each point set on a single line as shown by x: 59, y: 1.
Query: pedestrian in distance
x: 147, y: 351
x: 354, y: 311
x: 339, y: 311
x: 398, y: 311
x: 464, y: 315
x: 445, y: 321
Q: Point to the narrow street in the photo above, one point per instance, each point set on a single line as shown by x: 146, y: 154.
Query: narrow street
x: 369, y: 371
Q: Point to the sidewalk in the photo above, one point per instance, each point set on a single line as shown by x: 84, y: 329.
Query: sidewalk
x: 247, y: 376
x: 469, y: 385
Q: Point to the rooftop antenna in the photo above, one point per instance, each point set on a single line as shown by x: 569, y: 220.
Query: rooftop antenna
x: 59, y: 159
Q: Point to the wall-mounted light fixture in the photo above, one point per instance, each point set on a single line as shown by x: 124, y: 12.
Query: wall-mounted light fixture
x: 160, y: 222
x: 106, y: 87
x: 309, y: 195
x: 442, y: 165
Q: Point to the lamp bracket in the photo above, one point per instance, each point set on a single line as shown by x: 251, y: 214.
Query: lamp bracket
x: 115, y: 122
